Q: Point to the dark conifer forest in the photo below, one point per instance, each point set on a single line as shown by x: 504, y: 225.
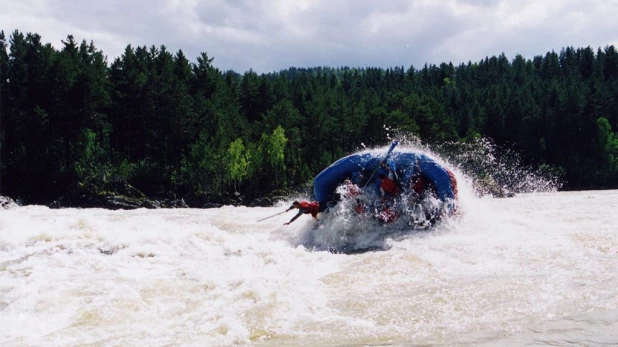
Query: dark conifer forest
x: 167, y: 123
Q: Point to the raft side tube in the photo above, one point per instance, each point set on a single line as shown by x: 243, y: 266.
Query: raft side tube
x: 404, y: 164
x: 327, y: 181
x: 410, y: 163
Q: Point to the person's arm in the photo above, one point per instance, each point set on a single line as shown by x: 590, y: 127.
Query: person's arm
x: 294, y: 218
x: 389, y: 173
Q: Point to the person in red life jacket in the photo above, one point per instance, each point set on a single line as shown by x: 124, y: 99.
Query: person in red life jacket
x: 306, y: 207
x: 453, y: 182
x: 360, y: 207
x: 388, y: 188
x: 351, y: 189
x: 388, y: 215
x: 389, y: 173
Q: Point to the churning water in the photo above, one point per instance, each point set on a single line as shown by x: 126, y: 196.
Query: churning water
x: 536, y: 269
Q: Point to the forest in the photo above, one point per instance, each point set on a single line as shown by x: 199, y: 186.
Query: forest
x: 168, y: 124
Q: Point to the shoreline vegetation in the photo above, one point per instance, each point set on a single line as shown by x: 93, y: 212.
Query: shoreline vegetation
x: 153, y: 129
x: 116, y: 201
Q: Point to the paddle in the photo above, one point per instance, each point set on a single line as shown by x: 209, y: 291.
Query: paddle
x: 390, y: 149
x: 272, y: 215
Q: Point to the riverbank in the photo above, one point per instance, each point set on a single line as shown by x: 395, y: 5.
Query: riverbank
x: 126, y: 197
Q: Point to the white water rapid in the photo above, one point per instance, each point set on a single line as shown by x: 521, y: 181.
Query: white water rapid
x: 537, y: 269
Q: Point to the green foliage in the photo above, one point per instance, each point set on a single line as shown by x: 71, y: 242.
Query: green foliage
x: 90, y: 164
x: 276, y: 147
x: 609, y: 145
x: 255, y: 165
x: 272, y: 148
x: 237, y: 162
x: 165, y: 124
x: 123, y: 172
x: 200, y: 169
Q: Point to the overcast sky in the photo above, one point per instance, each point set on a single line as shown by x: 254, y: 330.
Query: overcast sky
x: 270, y: 35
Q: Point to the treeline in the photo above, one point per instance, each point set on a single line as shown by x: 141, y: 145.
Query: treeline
x: 165, y: 124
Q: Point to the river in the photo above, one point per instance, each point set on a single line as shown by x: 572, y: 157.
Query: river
x: 538, y: 269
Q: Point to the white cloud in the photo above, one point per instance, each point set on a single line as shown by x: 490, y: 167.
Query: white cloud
x: 273, y: 35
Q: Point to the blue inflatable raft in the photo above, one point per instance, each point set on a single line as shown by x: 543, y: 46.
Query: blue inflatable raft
x: 404, y: 164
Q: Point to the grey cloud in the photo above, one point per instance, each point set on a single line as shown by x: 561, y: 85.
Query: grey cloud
x: 485, y: 3
x: 136, y: 18
x: 269, y: 35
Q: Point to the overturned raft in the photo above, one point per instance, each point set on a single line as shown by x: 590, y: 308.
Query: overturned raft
x: 404, y: 164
